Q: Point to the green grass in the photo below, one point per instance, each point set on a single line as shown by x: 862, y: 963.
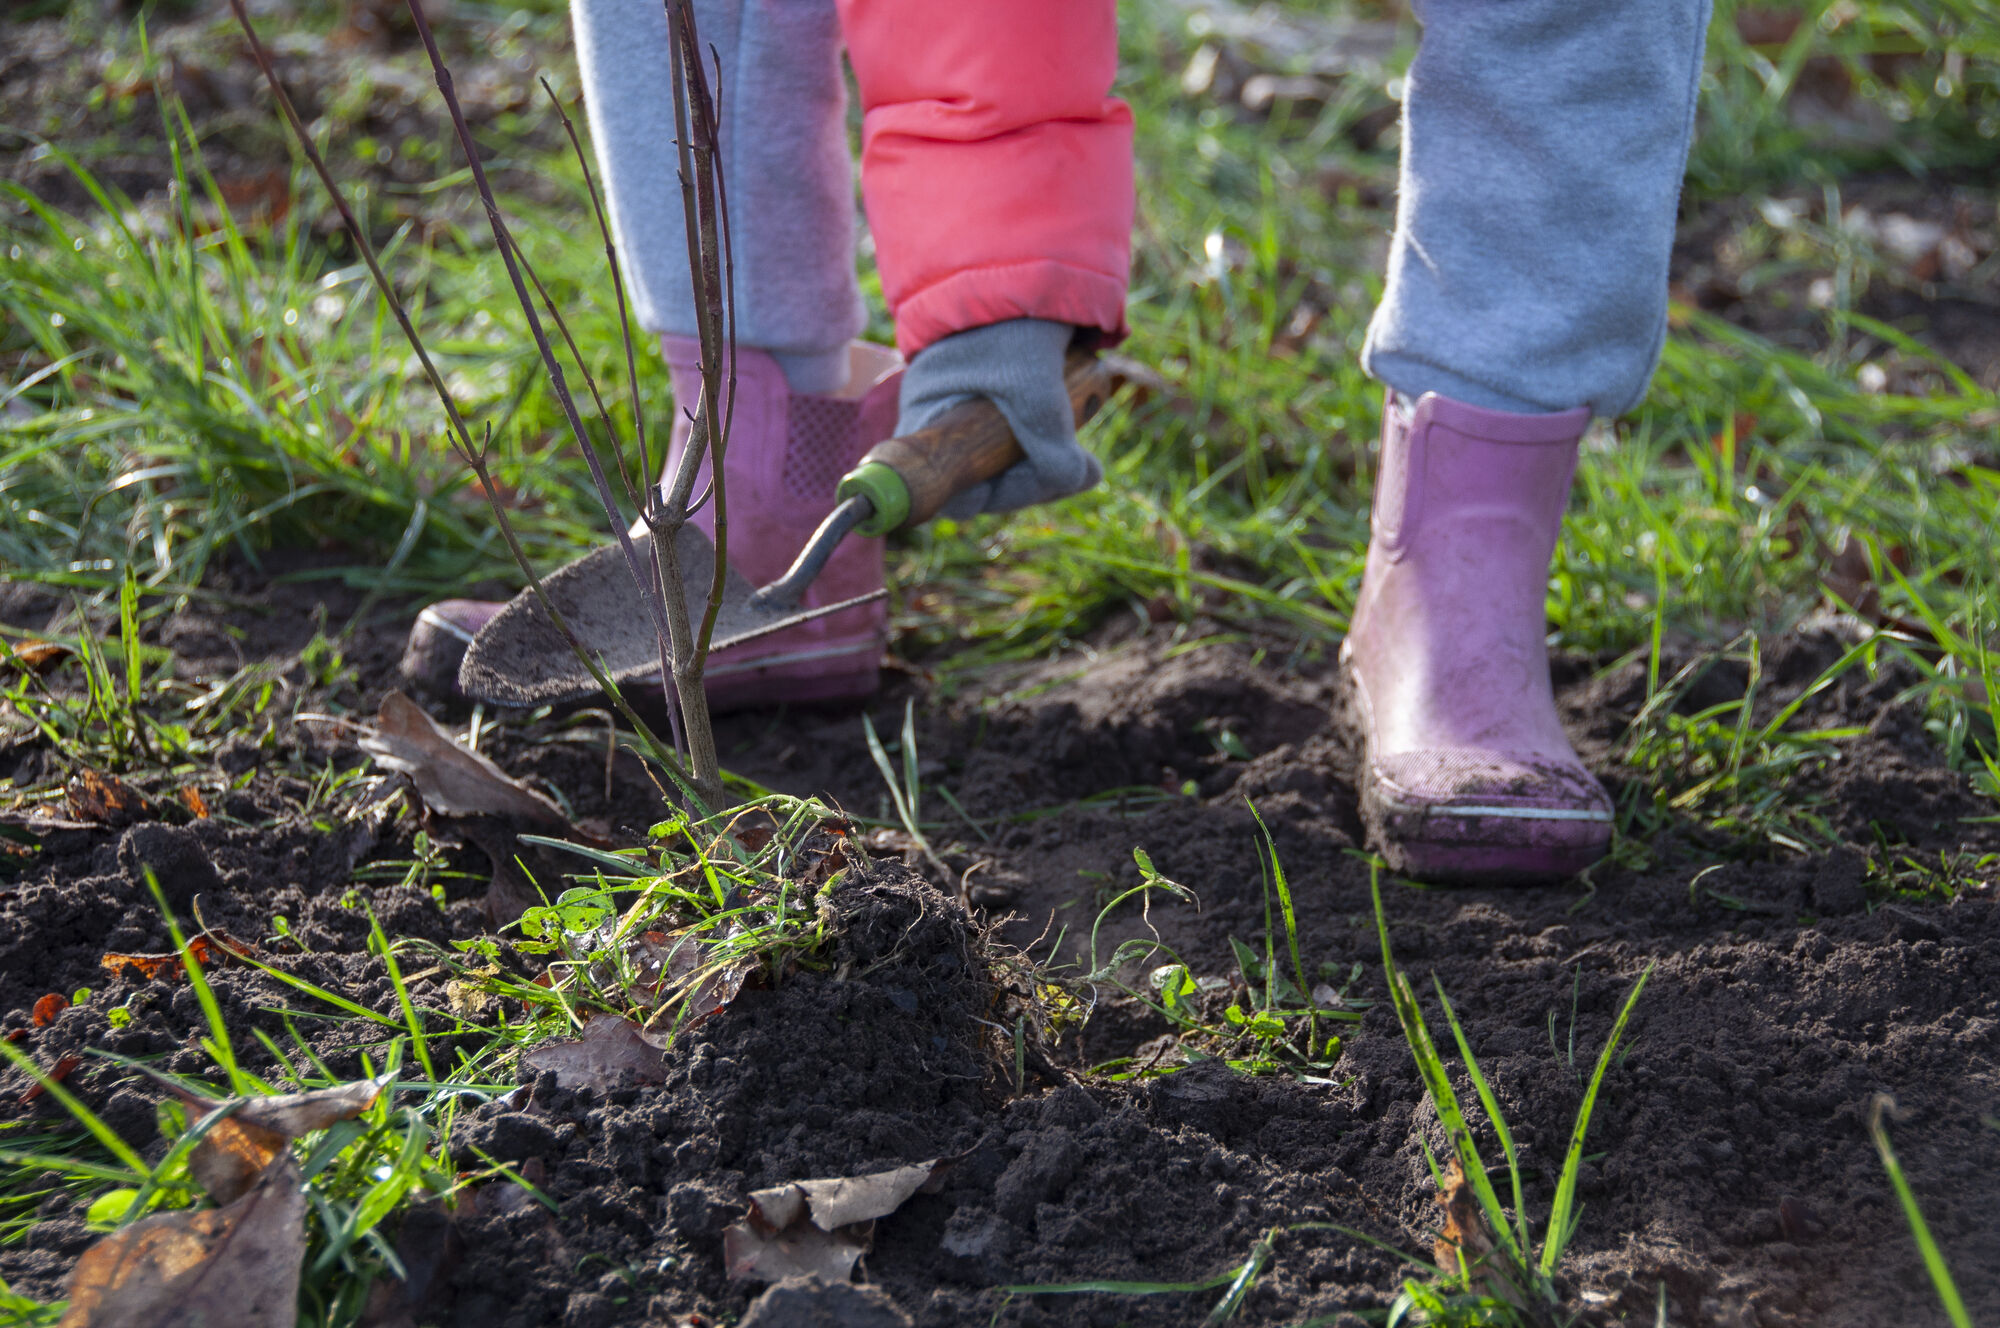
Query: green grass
x: 608, y: 947
x: 1266, y: 1019
x: 1502, y: 1275
x: 1934, y: 1262
x: 358, y: 1173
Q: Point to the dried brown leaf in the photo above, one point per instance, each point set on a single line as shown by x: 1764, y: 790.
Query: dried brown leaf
x: 39, y: 657
x: 665, y: 965
x: 64, y: 1067
x: 1465, y: 1243
x: 237, y: 1265
x: 102, y: 799
x: 47, y: 1008
x: 295, y: 1114
x: 451, y: 780
x: 818, y: 1226
x: 238, y: 1148
x: 149, y: 966
x: 798, y: 1251
x: 471, y: 995
x: 845, y: 1200
x: 611, y: 1052
x: 232, y: 1155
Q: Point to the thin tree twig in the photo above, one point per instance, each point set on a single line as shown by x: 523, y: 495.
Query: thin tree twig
x: 459, y: 435
x: 442, y: 75
x: 617, y: 288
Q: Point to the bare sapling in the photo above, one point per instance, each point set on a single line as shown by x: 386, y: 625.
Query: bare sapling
x: 705, y: 215
x: 659, y: 585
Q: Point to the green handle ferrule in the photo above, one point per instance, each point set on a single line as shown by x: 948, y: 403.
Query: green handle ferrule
x: 878, y: 482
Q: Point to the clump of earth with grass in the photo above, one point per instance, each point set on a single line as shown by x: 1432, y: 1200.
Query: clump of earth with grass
x: 1057, y: 987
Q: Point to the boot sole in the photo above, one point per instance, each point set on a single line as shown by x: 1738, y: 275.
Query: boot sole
x: 1472, y: 846
x: 1469, y: 844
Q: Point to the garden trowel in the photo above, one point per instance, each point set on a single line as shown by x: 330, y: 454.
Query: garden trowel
x: 519, y: 659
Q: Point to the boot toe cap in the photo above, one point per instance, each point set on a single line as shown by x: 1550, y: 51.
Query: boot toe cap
x: 1472, y: 815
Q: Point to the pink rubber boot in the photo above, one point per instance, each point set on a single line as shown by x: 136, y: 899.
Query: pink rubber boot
x: 787, y: 452
x: 1468, y: 775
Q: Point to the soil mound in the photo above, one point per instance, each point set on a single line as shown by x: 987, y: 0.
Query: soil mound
x: 884, y: 1058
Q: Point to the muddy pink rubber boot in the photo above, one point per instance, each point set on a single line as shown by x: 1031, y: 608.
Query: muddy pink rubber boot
x: 787, y: 452
x: 1468, y: 775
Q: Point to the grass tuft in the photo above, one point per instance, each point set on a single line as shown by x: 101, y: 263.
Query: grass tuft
x: 1491, y: 1270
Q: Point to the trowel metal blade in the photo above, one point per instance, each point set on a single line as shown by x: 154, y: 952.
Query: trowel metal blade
x: 519, y: 659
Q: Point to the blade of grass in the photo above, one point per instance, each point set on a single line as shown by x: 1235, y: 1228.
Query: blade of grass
x: 1920, y: 1231
x: 1430, y: 1067
x: 1560, y: 1219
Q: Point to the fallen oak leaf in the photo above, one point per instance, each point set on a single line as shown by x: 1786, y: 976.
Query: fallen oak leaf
x: 47, y: 1008
x: 236, y: 1265
x: 101, y: 799
x: 612, y: 1052
x: 818, y: 1227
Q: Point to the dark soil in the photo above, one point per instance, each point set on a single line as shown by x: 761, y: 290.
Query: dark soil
x: 1730, y: 1160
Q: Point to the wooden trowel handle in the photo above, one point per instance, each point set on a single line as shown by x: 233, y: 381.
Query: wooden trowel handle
x: 967, y: 445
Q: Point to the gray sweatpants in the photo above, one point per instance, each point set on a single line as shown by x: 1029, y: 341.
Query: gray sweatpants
x: 1543, y: 147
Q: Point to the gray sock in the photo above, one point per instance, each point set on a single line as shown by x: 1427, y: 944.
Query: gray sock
x: 1018, y: 366
x: 784, y: 148
x: 1543, y: 147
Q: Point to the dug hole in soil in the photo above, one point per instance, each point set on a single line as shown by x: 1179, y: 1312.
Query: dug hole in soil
x: 1731, y: 1173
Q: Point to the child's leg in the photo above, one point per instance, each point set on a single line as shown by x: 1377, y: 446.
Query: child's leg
x: 997, y: 169
x: 808, y: 403
x: 1543, y: 148
x: 783, y: 108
